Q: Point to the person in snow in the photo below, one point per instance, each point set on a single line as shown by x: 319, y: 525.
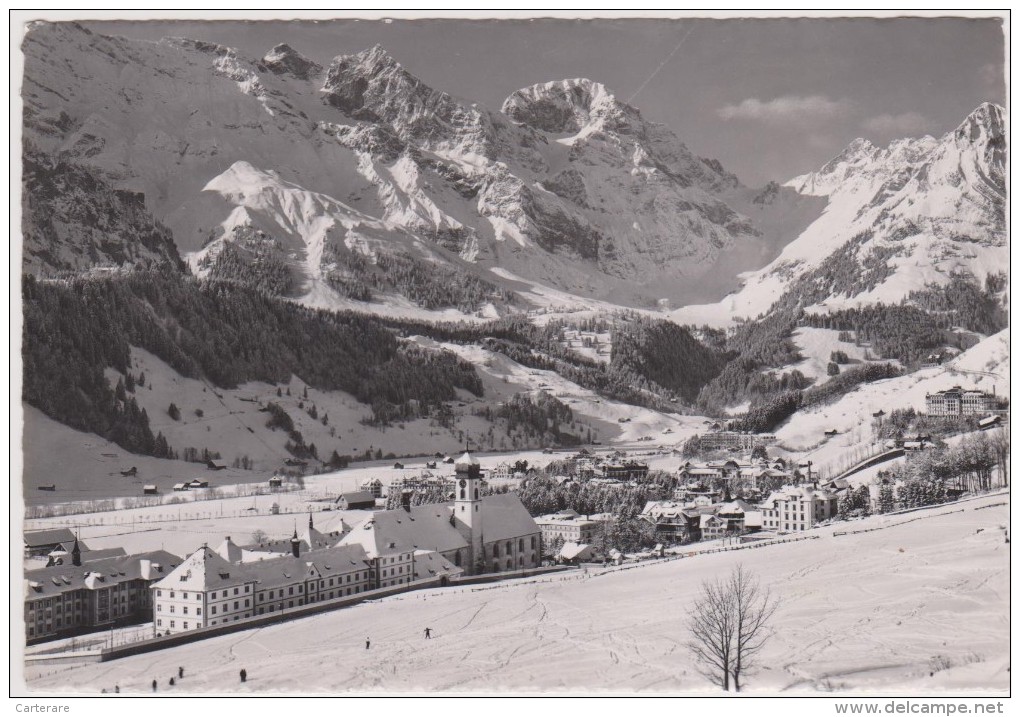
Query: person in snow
x: 116, y: 689
x: 244, y: 675
x: 153, y: 685
x: 428, y: 633
x: 180, y: 672
x: 172, y: 683
x: 368, y: 643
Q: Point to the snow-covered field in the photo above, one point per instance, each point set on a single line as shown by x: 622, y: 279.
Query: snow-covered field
x: 874, y: 612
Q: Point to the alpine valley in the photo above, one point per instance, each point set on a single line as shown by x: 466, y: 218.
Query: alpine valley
x: 264, y: 261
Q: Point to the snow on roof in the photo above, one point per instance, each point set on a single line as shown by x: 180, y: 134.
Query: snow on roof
x: 466, y: 462
x: 58, y: 579
x: 357, y: 496
x: 574, y: 551
x: 286, y: 569
x: 428, y: 527
x: 504, y: 517
x: 40, y: 538
x: 430, y: 564
x: 388, y: 532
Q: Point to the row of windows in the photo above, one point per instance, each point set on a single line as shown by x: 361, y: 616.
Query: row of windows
x: 198, y: 596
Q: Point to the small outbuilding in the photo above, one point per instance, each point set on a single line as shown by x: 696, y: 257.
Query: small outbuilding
x: 355, y: 500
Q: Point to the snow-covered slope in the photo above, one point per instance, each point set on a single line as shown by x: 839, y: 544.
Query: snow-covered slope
x: 921, y: 608
x: 897, y: 219
x: 984, y: 366
x: 567, y: 185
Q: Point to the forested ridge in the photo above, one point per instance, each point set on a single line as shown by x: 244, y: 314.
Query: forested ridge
x: 222, y: 332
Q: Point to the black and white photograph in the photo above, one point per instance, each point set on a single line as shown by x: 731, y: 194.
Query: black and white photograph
x: 505, y: 355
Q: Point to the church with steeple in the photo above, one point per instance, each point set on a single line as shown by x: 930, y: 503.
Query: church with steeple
x: 477, y: 533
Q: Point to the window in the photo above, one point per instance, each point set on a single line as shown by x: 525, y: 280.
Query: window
x: 237, y: 605
x: 214, y: 596
x: 290, y: 590
x: 247, y: 588
x: 237, y: 591
x: 185, y: 610
x: 246, y: 602
x: 171, y: 608
x: 213, y: 609
x: 171, y: 593
x: 159, y: 623
x: 173, y: 624
x: 198, y: 611
x: 159, y: 593
x: 184, y: 596
x: 270, y: 594
x: 185, y: 626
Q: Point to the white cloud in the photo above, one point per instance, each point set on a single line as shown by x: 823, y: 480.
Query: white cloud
x: 790, y: 109
x: 901, y: 125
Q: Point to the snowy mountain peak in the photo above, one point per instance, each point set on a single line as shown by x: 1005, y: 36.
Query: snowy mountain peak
x: 986, y: 121
x: 567, y: 106
x: 285, y: 60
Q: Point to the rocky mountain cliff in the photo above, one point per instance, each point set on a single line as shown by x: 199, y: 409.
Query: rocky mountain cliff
x: 566, y: 185
x: 897, y: 219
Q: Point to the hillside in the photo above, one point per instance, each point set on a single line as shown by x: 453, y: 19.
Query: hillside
x: 897, y: 219
x: 984, y: 367
x: 922, y: 607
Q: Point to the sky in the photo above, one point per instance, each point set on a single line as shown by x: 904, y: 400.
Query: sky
x: 769, y: 98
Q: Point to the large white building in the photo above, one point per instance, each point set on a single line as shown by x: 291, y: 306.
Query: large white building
x: 796, y: 508
x: 207, y: 590
x: 567, y: 525
x: 957, y: 401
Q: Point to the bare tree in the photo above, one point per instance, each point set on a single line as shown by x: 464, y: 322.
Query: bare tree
x: 729, y: 627
x: 259, y: 536
x: 712, y: 632
x: 753, y: 607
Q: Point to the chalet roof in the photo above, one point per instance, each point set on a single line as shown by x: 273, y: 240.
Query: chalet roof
x: 357, y: 496
x: 58, y: 579
x: 734, y: 507
x: 574, y: 551
x: 56, y: 536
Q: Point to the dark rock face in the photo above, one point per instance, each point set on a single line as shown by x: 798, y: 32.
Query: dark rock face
x: 73, y: 219
x: 285, y: 60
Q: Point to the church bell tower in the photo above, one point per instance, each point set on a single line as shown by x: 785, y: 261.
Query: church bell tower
x: 467, y: 508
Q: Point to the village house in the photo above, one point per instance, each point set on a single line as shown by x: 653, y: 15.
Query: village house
x: 796, y: 508
x: 355, y: 500
x: 84, y: 596
x: 575, y: 553
x: 479, y: 534
x: 625, y: 471
x: 373, y: 486
x: 502, y: 472
x: 568, y: 526
x: 669, y: 520
x: 44, y: 542
x: 734, y: 441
